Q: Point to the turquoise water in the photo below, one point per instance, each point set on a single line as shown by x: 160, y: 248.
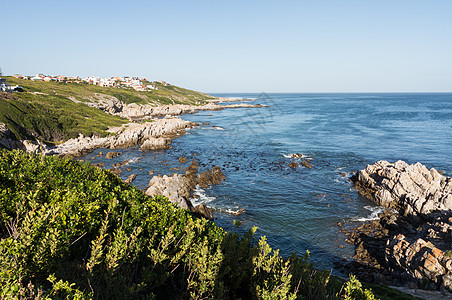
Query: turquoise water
x: 298, y: 209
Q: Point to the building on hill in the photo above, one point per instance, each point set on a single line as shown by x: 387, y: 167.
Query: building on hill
x: 39, y: 77
x: 19, y: 76
x: 4, y: 86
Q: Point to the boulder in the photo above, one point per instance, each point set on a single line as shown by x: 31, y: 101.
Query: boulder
x: 130, y: 179
x: 111, y: 155
x: 156, y: 143
x: 179, y: 188
x: 411, y: 189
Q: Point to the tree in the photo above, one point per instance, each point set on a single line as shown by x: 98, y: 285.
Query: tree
x: 1, y: 73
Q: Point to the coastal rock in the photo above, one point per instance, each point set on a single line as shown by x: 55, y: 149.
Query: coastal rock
x: 179, y: 188
x: 411, y: 242
x: 306, y: 164
x: 293, y: 165
x: 128, y: 135
x: 130, y: 179
x: 135, y: 111
x: 412, y: 189
x: 155, y: 143
x: 209, y: 177
x: 9, y: 141
x: 111, y: 155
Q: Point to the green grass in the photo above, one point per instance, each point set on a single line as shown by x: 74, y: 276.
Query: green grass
x: 46, y: 112
x: 86, y: 92
x: 53, y: 118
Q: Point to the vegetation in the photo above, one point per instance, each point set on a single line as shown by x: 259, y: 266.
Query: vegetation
x: 55, y: 111
x: 70, y: 230
x: 164, y: 94
x: 53, y: 118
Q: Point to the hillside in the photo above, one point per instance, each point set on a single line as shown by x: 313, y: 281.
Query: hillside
x: 54, y: 112
x: 164, y: 94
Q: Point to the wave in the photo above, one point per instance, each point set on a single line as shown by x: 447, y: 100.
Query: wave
x: 132, y: 161
x: 295, y: 155
x: 375, y: 210
x: 200, y: 197
x: 235, y: 211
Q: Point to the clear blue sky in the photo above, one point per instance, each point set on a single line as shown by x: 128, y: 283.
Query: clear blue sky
x: 237, y: 46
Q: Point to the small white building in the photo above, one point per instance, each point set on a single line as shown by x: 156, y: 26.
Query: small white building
x: 5, y: 87
x: 37, y: 77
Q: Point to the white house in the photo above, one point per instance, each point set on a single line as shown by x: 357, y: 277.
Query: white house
x: 5, y: 87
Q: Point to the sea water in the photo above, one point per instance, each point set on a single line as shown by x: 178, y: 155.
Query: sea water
x: 298, y: 209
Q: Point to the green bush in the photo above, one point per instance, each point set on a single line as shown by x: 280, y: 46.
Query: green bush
x: 72, y: 231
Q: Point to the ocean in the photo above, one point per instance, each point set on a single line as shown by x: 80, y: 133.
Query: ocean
x: 298, y: 208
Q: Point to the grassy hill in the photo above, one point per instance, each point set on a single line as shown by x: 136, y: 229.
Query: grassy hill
x: 54, y: 112
x: 168, y: 94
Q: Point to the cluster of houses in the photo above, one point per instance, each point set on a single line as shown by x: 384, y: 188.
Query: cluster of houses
x: 122, y: 82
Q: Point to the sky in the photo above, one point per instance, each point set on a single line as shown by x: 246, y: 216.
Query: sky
x: 237, y: 46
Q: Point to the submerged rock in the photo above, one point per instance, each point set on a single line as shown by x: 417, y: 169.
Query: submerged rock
x: 130, y: 179
x: 293, y: 165
x: 111, y: 155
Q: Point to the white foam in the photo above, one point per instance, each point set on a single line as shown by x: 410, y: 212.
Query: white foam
x: 295, y: 155
x: 217, y: 128
x: 134, y: 160
x: 375, y: 210
x: 201, y: 197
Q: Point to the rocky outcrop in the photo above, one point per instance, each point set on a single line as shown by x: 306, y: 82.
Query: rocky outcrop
x: 210, y: 177
x: 9, y: 141
x: 179, y: 188
x: 411, y: 243
x: 411, y: 189
x: 156, y: 143
x: 155, y: 134
x: 134, y: 111
x: 398, y: 250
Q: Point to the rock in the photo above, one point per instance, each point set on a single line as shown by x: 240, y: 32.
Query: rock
x: 159, y: 131
x: 156, y: 143
x: 111, y: 155
x: 306, y: 164
x: 412, y: 189
x: 203, y: 211
x: 116, y: 171
x: 182, y: 159
x: 179, y: 188
x: 293, y: 165
x: 176, y: 188
x: 130, y: 179
x: 209, y: 177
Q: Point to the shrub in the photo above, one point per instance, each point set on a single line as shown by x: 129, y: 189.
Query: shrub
x: 69, y: 230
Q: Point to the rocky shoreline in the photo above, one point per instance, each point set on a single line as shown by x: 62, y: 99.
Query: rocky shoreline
x: 157, y: 126
x: 134, y: 111
x: 161, y: 127
x: 411, y: 242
